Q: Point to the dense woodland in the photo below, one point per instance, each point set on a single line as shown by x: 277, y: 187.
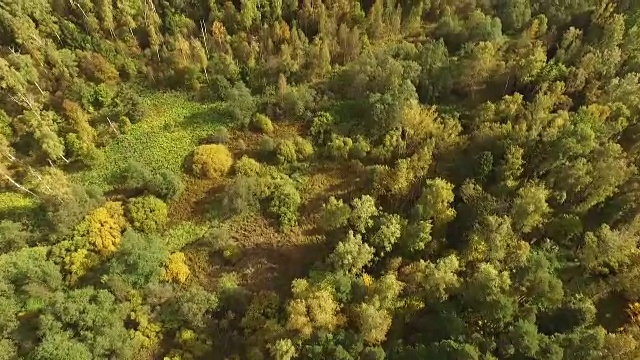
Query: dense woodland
x: 269, y: 179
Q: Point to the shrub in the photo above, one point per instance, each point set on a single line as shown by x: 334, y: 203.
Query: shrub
x: 339, y: 147
x: 247, y: 166
x: 183, y: 234
x: 176, y: 269
x: 266, y: 146
x: 286, y: 152
x: 211, y: 160
x: 321, y: 127
x: 166, y: 185
x: 103, y: 227
x: 262, y: 123
x: 220, y: 135
x: 147, y: 213
x: 290, y: 151
x: 304, y: 148
x: 242, y: 195
x: 221, y: 241
x: 284, y: 204
x: 134, y: 175
x: 334, y: 214
x: 360, y: 148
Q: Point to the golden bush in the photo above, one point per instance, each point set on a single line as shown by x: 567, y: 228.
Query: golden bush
x: 176, y: 269
x: 211, y: 161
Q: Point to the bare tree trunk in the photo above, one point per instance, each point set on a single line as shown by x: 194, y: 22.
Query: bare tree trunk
x: 16, y: 184
x: 112, y: 126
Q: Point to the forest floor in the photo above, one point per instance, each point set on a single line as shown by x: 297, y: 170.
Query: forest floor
x: 269, y: 259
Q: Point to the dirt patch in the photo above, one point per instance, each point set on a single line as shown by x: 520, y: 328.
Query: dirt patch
x: 269, y: 259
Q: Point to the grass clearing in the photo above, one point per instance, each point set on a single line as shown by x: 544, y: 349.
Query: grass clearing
x: 16, y: 202
x: 173, y: 126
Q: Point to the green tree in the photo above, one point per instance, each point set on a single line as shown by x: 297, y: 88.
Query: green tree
x: 363, y: 209
x: 530, y: 207
x: 351, y: 255
x: 334, y: 214
x: 514, y: 13
x: 390, y: 228
x: 607, y: 250
x: 435, y: 202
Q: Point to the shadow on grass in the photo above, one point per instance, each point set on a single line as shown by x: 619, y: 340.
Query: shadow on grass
x: 214, y: 115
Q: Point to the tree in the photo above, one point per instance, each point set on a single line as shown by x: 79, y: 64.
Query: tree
x: 240, y: 104
x: 493, y: 240
x: 311, y: 309
x: 435, y: 282
x: 95, y: 311
x: 139, y: 260
x: 13, y: 236
x: 373, y: 323
x: 285, y: 201
x: 351, y: 255
x: 363, y: 209
x: 530, y: 207
x: 211, y: 161
x: 607, y: 250
x: 435, y: 202
x: 389, y: 232
x: 147, y: 213
x: 514, y: 13
x: 488, y: 291
x: 334, y: 214
x: 283, y: 349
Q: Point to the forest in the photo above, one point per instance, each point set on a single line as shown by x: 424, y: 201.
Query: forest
x: 320, y: 179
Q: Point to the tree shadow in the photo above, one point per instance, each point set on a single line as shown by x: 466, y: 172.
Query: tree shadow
x: 214, y: 114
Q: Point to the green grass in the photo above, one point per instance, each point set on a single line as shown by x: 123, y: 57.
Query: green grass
x: 11, y: 202
x: 172, y: 127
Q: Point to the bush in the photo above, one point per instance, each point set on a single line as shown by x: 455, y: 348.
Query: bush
x: 147, y: 213
x: 286, y: 152
x: 339, y: 147
x: 176, y: 269
x: 266, y: 146
x: 304, y: 148
x: 360, y: 148
x: 221, y: 241
x: 334, y: 214
x: 102, y: 228
x: 241, y: 195
x: 247, y: 166
x: 134, y: 176
x: 211, y: 160
x: 284, y: 204
x: 220, y: 135
x: 290, y: 151
x: 262, y: 123
x: 166, y: 185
